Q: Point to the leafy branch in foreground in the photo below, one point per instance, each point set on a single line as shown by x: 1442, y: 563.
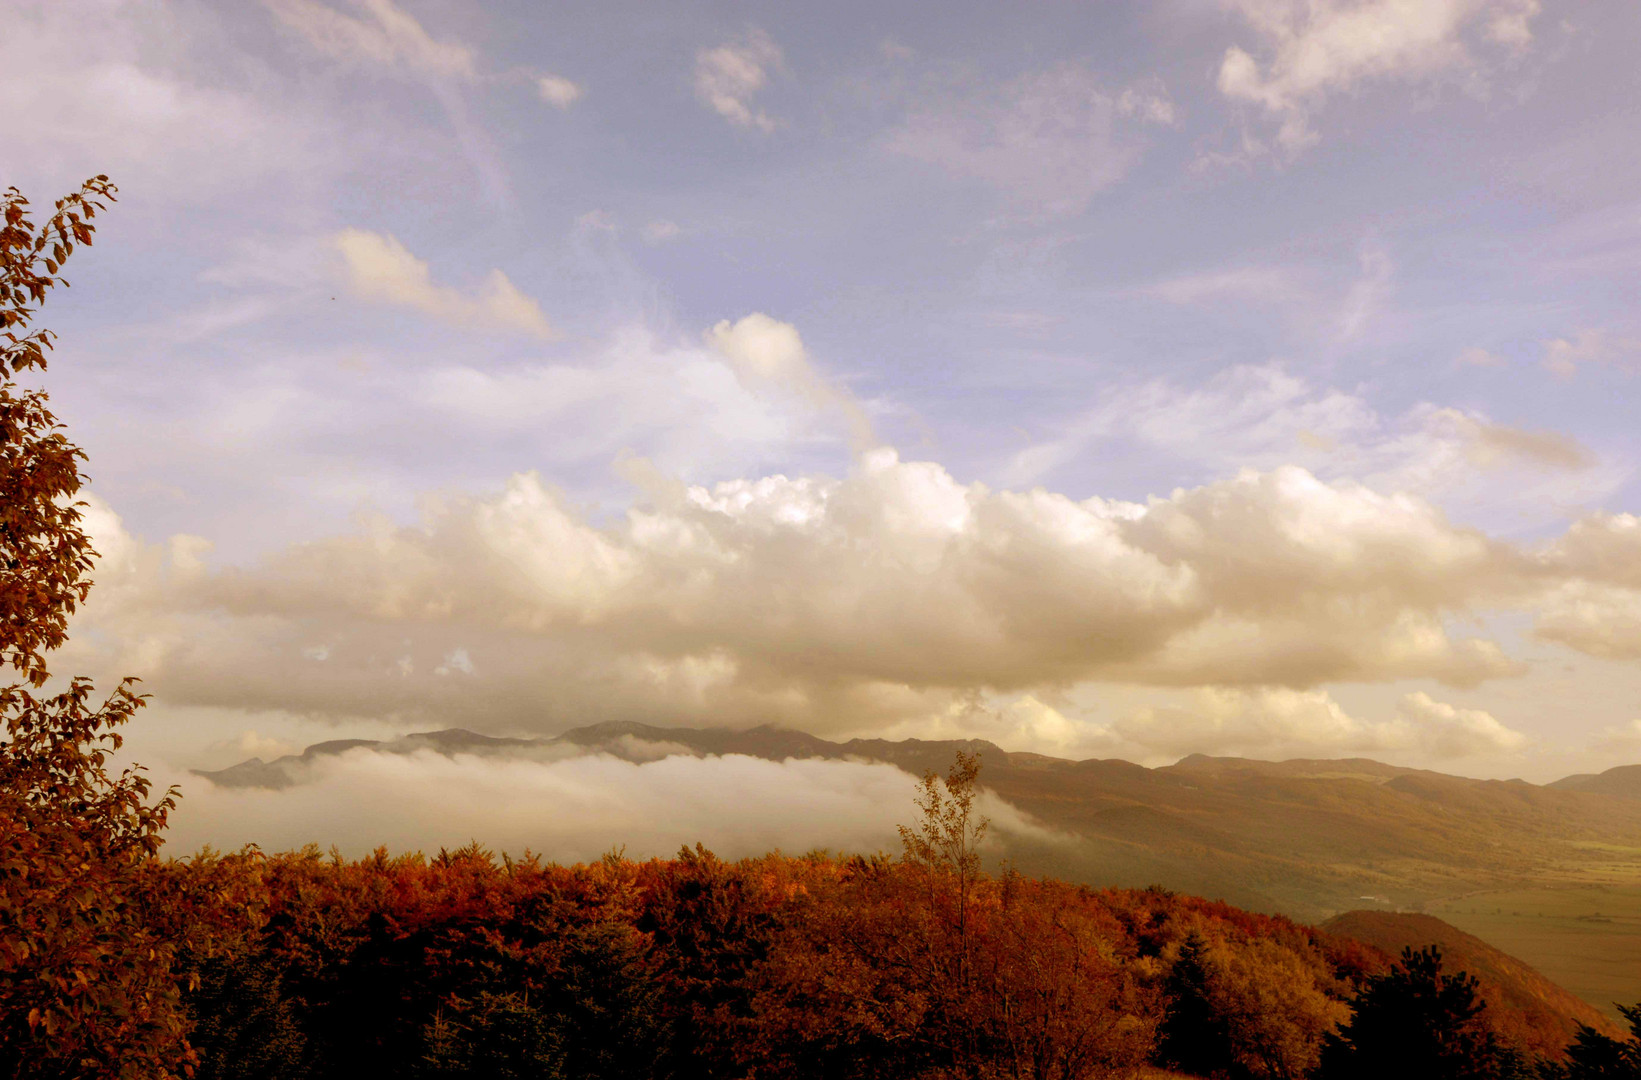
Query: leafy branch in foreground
x: 86, y: 988
x: 44, y: 554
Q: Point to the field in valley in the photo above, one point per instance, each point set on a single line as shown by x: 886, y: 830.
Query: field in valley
x: 1587, y: 937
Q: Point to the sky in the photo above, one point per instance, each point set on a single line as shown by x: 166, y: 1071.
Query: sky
x: 1250, y: 377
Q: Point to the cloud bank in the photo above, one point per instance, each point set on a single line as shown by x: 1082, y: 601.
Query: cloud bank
x: 890, y: 595
x: 571, y: 810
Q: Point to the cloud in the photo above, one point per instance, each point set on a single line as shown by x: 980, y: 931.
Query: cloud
x: 1563, y: 356
x: 1330, y: 311
x: 1264, y: 417
x: 660, y: 232
x: 1449, y: 731
x: 1322, y: 48
x: 383, y: 35
x: 1595, y: 618
x: 558, y: 91
x: 248, y: 744
x: 1478, y: 357
x: 1620, y: 738
x: 1282, y: 722
x: 1596, y: 607
x: 766, y: 352
x: 79, y: 104
x: 1239, y: 285
x: 889, y: 595
x: 730, y: 75
x: 1493, y: 444
x: 570, y: 810
x: 380, y: 268
x: 1050, y: 139
x: 1603, y: 548
x: 1369, y: 292
x: 1149, y: 101
x: 596, y: 220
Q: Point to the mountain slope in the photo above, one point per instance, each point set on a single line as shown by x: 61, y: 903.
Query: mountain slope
x: 1534, y: 1012
x: 1310, y: 838
x: 1623, y: 781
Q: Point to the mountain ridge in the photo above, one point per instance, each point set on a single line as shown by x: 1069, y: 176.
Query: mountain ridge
x: 1309, y: 836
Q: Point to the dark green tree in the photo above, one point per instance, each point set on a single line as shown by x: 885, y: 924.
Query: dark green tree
x: 1595, y: 1056
x: 1416, y: 1023
x: 1193, y: 1038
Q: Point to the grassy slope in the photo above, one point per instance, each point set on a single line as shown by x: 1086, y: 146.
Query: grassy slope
x: 1543, y: 1014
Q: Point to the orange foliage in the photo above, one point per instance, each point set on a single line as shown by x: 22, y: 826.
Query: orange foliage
x: 768, y: 967
x: 85, y: 976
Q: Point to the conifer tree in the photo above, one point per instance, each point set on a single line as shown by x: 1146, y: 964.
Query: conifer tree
x: 1416, y: 1023
x: 1596, y: 1056
x: 1193, y: 1037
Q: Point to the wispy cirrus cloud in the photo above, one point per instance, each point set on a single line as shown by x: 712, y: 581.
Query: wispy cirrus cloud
x: 1564, y: 356
x: 80, y: 104
x: 1051, y: 140
x: 728, y: 78
x: 1264, y: 416
x: 381, y: 35
x: 1314, y: 51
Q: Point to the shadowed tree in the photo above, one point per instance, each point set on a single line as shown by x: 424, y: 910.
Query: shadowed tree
x: 1416, y: 1023
x: 1595, y: 1056
x: 1193, y: 1037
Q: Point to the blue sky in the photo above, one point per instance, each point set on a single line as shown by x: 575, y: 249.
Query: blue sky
x: 1249, y: 377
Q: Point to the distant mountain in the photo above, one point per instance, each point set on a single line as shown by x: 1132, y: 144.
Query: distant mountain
x: 1536, y: 1013
x: 1309, y: 837
x: 1624, y: 781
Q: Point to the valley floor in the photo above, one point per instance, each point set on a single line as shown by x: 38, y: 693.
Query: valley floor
x: 1586, y: 937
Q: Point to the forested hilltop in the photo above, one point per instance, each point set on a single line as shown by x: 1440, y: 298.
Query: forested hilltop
x: 466, y: 965
x: 118, y: 963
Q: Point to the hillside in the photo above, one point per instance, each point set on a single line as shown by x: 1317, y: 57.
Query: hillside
x: 1624, y: 781
x: 1308, y: 838
x: 1538, y: 1014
